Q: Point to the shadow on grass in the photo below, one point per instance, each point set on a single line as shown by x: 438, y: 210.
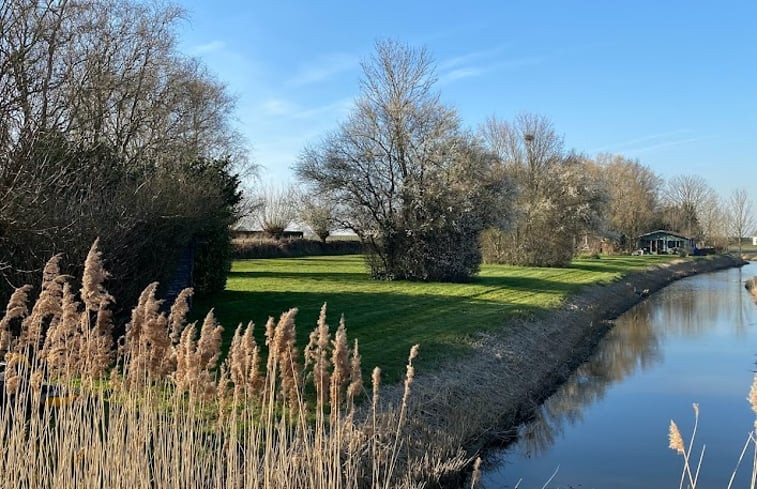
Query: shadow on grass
x: 527, y: 284
x: 615, y: 266
x: 515, y: 283
x: 299, y: 275
x: 386, y: 324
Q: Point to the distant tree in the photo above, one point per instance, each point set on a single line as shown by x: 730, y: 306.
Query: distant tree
x: 557, y: 197
x: 633, y: 191
x: 413, y: 186
x: 714, y: 223
x: 741, y: 218
x: 319, y: 213
x: 277, y: 209
x: 686, y: 198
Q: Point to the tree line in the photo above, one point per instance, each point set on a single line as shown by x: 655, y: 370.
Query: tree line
x: 107, y: 130
x: 430, y: 199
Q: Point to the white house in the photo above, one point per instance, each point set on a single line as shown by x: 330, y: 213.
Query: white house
x: 754, y: 240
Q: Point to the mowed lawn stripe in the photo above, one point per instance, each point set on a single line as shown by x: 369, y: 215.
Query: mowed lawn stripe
x: 388, y: 317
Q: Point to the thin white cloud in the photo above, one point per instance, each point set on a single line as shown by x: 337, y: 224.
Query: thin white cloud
x: 279, y: 107
x: 335, y: 109
x: 666, y: 144
x: 468, y: 58
x: 208, y: 47
x: 286, y: 109
x: 482, y: 69
x: 324, y: 68
x: 461, y: 73
x: 632, y: 144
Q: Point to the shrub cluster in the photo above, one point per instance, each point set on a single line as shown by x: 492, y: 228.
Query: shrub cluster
x: 100, y: 136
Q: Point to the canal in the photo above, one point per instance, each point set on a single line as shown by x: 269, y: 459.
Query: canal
x: 607, y: 426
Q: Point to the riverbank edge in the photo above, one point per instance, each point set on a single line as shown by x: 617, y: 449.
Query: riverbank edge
x: 479, y: 401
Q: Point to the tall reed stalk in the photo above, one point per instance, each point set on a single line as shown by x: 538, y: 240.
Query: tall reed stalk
x: 689, y: 478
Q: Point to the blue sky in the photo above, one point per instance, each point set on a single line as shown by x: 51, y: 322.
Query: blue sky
x: 670, y: 83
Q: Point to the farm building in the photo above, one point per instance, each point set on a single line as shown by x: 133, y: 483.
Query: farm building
x: 661, y: 242
x: 754, y: 240
x: 607, y: 243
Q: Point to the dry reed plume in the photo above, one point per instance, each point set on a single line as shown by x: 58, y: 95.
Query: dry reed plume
x: 158, y: 411
x: 676, y: 443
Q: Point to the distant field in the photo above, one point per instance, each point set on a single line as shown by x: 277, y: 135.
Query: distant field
x: 389, y: 317
x: 750, y: 248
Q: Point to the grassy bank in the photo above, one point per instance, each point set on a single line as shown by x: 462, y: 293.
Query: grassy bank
x: 389, y: 317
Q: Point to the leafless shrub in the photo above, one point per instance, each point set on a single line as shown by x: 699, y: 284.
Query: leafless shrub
x: 319, y: 213
x: 407, y: 179
x: 277, y: 210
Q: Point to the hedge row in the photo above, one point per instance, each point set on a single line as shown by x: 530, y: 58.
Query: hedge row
x: 270, y: 248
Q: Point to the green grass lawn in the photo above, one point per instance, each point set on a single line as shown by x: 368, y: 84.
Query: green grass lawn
x: 389, y: 317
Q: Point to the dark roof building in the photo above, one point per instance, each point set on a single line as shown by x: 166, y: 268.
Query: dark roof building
x: 661, y: 241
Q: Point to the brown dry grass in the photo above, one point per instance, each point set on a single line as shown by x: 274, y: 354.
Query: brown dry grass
x: 155, y: 411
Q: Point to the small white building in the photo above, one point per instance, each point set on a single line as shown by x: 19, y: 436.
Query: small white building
x: 754, y: 240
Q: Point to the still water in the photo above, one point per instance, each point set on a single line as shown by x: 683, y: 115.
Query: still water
x: 607, y: 426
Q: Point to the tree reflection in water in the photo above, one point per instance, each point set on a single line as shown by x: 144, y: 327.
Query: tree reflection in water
x: 630, y: 344
x: 688, y: 310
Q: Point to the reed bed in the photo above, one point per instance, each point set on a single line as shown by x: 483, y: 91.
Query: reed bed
x: 155, y: 410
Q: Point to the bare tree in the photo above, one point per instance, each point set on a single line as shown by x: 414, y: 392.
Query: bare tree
x: 633, y: 197
x: 319, y: 213
x: 109, y: 72
x: 687, y: 196
x: 395, y: 168
x: 741, y: 218
x: 557, y: 198
x: 277, y: 209
x: 713, y: 220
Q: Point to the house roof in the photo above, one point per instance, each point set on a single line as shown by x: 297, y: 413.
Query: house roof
x: 668, y: 233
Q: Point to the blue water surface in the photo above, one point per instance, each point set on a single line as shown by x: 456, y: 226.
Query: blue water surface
x: 607, y: 427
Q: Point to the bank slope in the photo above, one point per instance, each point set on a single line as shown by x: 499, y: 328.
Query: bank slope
x: 480, y: 400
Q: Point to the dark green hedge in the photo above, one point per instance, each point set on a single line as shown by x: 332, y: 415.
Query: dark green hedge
x: 269, y: 248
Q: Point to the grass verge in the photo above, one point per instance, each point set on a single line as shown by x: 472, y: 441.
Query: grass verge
x: 390, y: 317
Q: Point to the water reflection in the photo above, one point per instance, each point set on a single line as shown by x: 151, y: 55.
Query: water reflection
x: 691, y: 341
x: 689, y: 309
x: 693, y: 307
x: 631, y: 344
